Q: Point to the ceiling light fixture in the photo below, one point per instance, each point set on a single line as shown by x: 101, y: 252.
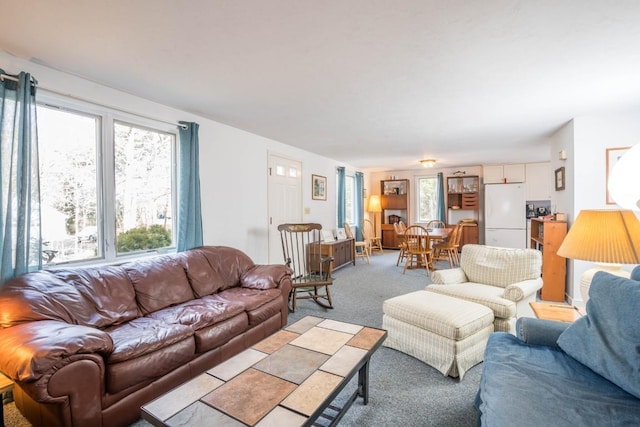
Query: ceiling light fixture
x: 428, y: 163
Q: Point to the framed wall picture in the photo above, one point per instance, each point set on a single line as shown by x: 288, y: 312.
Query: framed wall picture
x: 318, y: 187
x: 613, y: 155
x: 341, y: 234
x: 559, y: 179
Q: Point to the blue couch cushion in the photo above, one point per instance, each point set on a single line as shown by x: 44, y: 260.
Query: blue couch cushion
x: 607, y: 339
x: 533, y: 385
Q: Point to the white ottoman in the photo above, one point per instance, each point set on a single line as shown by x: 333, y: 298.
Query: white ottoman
x: 447, y: 333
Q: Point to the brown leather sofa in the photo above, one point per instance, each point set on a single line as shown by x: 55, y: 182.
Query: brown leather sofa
x: 89, y: 346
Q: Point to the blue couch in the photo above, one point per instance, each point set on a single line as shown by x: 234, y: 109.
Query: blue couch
x: 559, y: 374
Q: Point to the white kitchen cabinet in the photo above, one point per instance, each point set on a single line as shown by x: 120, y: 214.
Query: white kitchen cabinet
x: 496, y: 174
x: 538, y: 181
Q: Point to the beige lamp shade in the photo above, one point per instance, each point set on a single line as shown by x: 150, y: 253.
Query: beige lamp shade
x: 604, y: 236
x: 608, y: 238
x: 374, y: 203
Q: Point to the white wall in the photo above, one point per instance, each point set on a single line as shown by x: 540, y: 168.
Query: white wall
x: 586, y: 139
x: 233, y: 163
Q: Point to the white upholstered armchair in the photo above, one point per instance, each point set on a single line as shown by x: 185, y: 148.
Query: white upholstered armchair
x: 503, y: 279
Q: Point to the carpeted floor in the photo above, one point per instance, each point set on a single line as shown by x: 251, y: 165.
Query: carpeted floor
x: 403, y: 391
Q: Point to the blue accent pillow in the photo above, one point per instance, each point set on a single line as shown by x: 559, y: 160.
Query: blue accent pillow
x: 635, y: 273
x: 607, y: 339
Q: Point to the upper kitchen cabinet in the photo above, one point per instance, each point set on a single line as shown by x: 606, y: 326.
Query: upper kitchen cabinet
x: 538, y: 181
x: 498, y: 174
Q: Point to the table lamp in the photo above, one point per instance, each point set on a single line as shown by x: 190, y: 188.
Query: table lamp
x: 374, y: 207
x: 607, y: 237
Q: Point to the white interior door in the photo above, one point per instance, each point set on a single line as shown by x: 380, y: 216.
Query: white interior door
x: 285, y: 200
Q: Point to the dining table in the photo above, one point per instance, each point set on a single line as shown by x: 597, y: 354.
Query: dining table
x: 432, y: 235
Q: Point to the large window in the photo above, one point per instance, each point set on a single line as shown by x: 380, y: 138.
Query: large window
x: 349, y: 200
x: 107, y: 183
x: 427, y: 198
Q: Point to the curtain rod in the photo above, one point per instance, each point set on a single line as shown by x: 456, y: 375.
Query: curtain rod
x: 78, y: 98
x: 35, y: 83
x: 15, y: 79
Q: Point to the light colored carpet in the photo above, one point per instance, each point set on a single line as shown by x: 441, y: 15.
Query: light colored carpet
x: 403, y: 391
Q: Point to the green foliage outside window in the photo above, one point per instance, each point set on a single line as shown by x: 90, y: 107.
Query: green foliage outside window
x: 143, y: 238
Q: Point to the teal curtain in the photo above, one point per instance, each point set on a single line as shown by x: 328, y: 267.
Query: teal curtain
x: 341, y: 213
x: 442, y: 212
x: 189, y: 203
x: 20, y: 218
x: 359, y: 204
x: 342, y: 209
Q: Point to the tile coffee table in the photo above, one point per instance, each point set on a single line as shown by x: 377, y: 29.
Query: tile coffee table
x: 288, y: 379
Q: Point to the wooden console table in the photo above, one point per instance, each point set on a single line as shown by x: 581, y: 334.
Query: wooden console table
x: 343, y: 252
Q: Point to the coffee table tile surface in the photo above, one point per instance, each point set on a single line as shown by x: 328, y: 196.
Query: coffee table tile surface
x: 200, y: 414
x: 344, y: 360
x: 275, y: 341
x: 282, y: 417
x: 304, y: 324
x: 179, y: 398
x: 281, y: 381
x: 325, y: 341
x: 349, y: 328
x: 311, y: 393
x: 366, y: 338
x: 292, y: 363
x: 232, y: 367
x: 249, y: 396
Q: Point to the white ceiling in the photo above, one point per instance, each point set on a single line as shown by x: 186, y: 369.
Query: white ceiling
x: 376, y: 84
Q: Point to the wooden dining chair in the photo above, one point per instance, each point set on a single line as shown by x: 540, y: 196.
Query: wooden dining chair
x: 419, y: 253
x: 448, y: 249
x: 436, y: 223
x: 302, y: 250
x: 375, y: 243
x: 364, y: 251
x: 402, y: 245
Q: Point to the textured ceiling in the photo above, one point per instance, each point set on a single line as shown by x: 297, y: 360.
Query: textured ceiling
x: 376, y: 84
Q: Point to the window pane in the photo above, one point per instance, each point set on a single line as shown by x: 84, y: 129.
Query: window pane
x: 427, y: 199
x: 144, y: 195
x: 349, y: 193
x: 68, y: 182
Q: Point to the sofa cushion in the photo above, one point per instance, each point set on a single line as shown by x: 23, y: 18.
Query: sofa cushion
x: 42, y: 296
x: 204, y: 279
x: 198, y: 313
x: 108, y: 289
x: 220, y: 333
x: 249, y: 298
x: 535, y: 385
x: 499, y: 266
x: 264, y: 276
x: 606, y: 339
x: 159, y: 282
x: 139, y: 370
x: 490, y: 296
x: 229, y: 263
x: 144, y: 335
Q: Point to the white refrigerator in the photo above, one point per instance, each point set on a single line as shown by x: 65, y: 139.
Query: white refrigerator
x: 505, y: 219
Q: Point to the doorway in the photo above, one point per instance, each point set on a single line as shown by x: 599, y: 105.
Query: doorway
x: 285, y: 200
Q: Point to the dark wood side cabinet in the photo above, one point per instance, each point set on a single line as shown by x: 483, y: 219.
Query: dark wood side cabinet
x: 342, y: 251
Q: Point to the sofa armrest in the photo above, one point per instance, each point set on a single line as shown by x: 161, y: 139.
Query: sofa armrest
x: 31, y: 350
x: 449, y: 277
x: 270, y: 276
x: 539, y: 331
x: 519, y: 290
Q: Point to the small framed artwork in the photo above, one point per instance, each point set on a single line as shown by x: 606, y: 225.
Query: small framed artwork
x: 327, y: 236
x: 559, y: 179
x: 613, y: 155
x: 318, y: 187
x: 340, y: 234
